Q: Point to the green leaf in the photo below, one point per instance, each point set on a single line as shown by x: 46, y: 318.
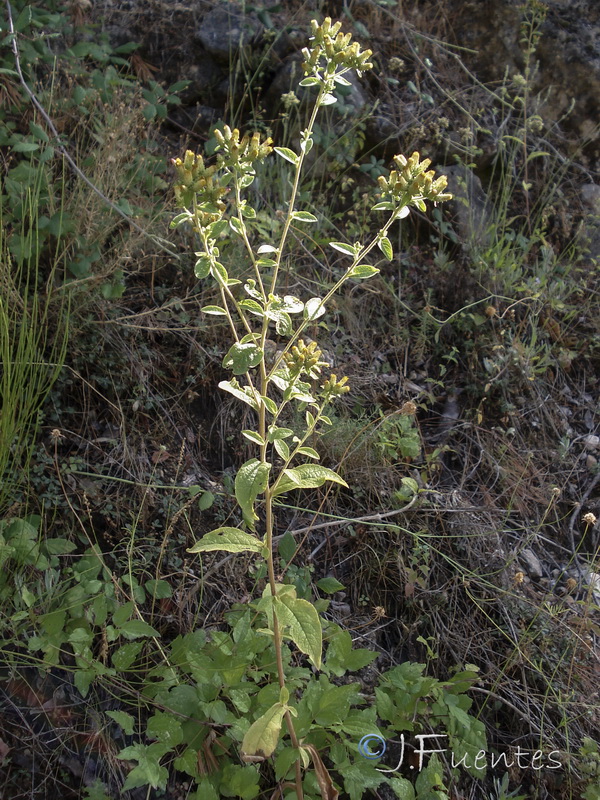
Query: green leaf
x: 244, y: 393
x: 269, y: 404
x: 136, y: 628
x: 287, y: 547
x: 314, y: 308
x: 330, y: 585
x: 347, y: 249
x: 282, y: 449
x: 125, y: 721
x: 385, y: 246
x: 216, y: 311
x: 25, y: 147
x: 232, y: 540
x: 278, y: 433
x: 202, y: 267
x: 310, y: 452
x: 158, y: 589
x: 263, y: 735
x: 241, y: 357
x: 205, y: 501
x: 58, y: 547
x: 306, y: 476
x: 148, y: 770
x: 125, y: 656
x: 362, y: 271
x: 266, y: 248
x: 165, y: 728
x: 304, y: 216
x: 38, y: 132
x: 236, y: 225
x: 310, y: 82
x: 288, y: 154
x: 253, y: 436
x: 252, y: 479
x: 302, y: 620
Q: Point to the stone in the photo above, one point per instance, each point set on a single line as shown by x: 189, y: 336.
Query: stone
x: 224, y: 30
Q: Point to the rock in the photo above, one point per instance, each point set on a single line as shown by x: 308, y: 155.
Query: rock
x: 225, y: 29
x: 591, y: 442
x: 532, y: 563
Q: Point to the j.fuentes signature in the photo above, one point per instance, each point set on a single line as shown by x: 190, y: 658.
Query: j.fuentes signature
x: 373, y: 746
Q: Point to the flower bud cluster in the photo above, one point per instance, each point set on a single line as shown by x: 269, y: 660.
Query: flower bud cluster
x: 411, y: 183
x: 304, y: 358
x: 194, y: 178
x: 241, y: 153
x: 334, y: 387
x: 332, y: 45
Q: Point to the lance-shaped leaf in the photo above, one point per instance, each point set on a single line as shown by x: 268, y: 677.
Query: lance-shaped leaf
x: 252, y: 479
x: 343, y: 247
x: 306, y: 476
x: 385, y: 246
x: 288, y: 154
x: 244, y: 393
x: 241, y: 357
x: 230, y: 539
x: 302, y: 623
x: 262, y: 736
x: 361, y: 272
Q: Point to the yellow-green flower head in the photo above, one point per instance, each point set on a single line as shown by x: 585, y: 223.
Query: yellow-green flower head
x: 196, y: 181
x: 411, y: 183
x: 334, y: 47
x: 334, y: 387
x: 241, y: 153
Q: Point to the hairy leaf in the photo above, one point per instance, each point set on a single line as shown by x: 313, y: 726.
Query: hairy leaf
x: 306, y: 476
x: 252, y: 479
x: 303, y: 625
x: 232, y: 540
x: 262, y: 736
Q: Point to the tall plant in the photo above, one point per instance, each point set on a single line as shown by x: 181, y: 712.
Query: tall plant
x: 212, y: 198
